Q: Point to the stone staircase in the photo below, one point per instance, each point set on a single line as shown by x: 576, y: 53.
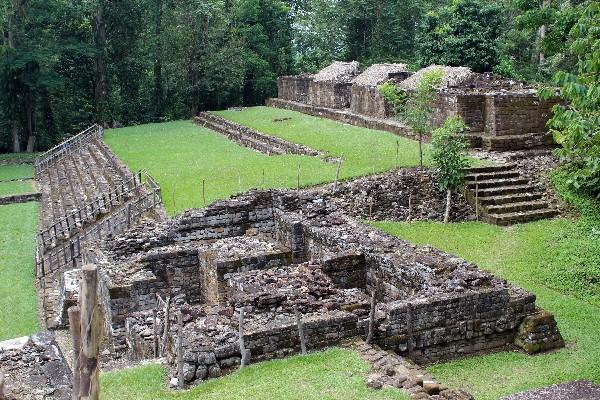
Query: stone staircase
x: 504, y: 197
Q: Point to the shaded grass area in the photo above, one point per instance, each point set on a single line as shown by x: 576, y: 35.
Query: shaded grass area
x: 180, y: 155
x: 15, y: 171
x: 18, y: 225
x: 18, y: 158
x: 331, y: 374
x: 555, y: 259
x: 16, y: 187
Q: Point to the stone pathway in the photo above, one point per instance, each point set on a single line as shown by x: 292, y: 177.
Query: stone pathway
x: 389, y: 369
x: 578, y: 390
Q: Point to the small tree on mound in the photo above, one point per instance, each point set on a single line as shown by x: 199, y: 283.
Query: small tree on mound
x: 449, y: 155
x: 414, y: 108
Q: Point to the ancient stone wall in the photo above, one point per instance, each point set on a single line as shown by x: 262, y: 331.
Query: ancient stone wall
x: 367, y: 100
x: 336, y: 95
x: 516, y: 114
x: 471, y: 107
x: 294, y: 88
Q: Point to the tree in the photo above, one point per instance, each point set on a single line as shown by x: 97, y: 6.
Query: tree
x: 576, y: 122
x: 449, y: 155
x: 463, y: 33
x: 415, y: 107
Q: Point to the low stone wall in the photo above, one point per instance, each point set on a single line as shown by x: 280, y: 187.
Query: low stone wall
x: 294, y: 88
x: 34, y: 368
x: 345, y: 117
x: 20, y: 198
x: 471, y: 107
x: 334, y: 95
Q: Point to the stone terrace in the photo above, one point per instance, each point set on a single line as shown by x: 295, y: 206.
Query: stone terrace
x: 274, y: 252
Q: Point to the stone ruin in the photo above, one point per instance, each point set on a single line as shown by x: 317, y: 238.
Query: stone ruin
x: 275, y: 252
x: 502, y: 114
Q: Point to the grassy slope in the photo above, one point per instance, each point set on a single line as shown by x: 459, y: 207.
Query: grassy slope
x: 18, y: 224
x: 332, y: 374
x: 184, y: 153
x: 553, y: 259
x: 15, y: 171
x: 16, y: 187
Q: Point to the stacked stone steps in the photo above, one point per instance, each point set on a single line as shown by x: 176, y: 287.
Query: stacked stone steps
x: 504, y: 197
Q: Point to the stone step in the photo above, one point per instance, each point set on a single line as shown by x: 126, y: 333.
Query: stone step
x: 482, y: 176
x: 502, y: 182
x: 518, y: 206
x: 491, y: 168
x: 510, y: 198
x: 503, y: 190
x: 519, y: 217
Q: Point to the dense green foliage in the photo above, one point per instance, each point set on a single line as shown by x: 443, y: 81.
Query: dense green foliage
x: 331, y: 374
x: 18, y: 302
x: 228, y: 168
x: 461, y: 34
x: 576, y: 123
x: 558, y: 261
x: 449, y: 153
x: 66, y: 64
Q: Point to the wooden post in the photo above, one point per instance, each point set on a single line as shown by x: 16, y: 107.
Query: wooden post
x: 155, y: 333
x: 371, y: 318
x: 371, y: 207
x: 166, y: 331
x: 397, y: 151
x: 90, y: 337
x: 179, y: 350
x: 300, y: 331
x: 75, y: 328
x: 409, y: 329
x: 409, y: 218
x: 262, y: 185
x: 337, y: 172
x: 298, y: 179
x: 203, y: 192
x: 476, y: 198
x: 129, y: 215
x: 173, y: 197
x: 243, y: 351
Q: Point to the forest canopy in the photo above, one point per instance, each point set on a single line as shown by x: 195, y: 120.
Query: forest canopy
x: 66, y: 64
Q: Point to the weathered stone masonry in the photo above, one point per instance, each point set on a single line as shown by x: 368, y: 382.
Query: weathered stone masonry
x: 273, y: 251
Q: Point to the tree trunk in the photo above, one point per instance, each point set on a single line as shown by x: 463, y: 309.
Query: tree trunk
x: 542, y: 34
x: 448, y: 203
x: 158, y: 85
x: 99, y: 66
x: 31, y: 131
x: 420, y: 149
x: 10, y: 39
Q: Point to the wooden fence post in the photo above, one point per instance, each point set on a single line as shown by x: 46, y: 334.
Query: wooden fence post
x: 337, y: 172
x: 179, y: 350
x: 203, y: 192
x: 409, y: 218
x: 397, y: 151
x: 371, y: 318
x: 90, y: 335
x: 75, y: 328
x: 155, y: 333
x: 476, y: 198
x: 409, y: 329
x: 300, y: 331
x: 167, y: 322
x: 243, y: 350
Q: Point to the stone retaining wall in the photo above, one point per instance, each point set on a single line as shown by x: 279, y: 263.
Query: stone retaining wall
x: 367, y: 100
x: 336, y: 95
x: 294, y: 88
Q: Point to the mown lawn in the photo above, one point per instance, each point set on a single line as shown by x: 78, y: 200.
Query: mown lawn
x: 16, y: 187
x: 18, y: 225
x: 559, y: 261
x: 15, y: 171
x: 180, y: 155
x: 331, y: 374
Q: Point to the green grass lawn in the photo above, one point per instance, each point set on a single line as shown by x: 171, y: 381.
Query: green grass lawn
x: 558, y: 260
x: 180, y: 155
x: 16, y: 187
x: 331, y: 374
x: 15, y: 171
x: 18, y: 224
